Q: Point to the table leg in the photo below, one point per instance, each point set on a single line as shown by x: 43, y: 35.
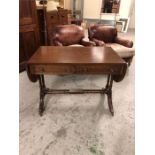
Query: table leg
x: 42, y: 94
x: 109, y: 93
x: 44, y: 90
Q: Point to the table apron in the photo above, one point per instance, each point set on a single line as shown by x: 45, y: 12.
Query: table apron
x: 76, y: 69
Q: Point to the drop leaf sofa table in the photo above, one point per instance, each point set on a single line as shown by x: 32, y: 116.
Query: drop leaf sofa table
x: 75, y: 60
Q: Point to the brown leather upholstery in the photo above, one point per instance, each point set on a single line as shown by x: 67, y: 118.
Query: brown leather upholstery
x: 107, y: 36
x: 65, y: 35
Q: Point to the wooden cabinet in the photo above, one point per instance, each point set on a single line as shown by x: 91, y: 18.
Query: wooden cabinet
x: 63, y: 16
x: 41, y: 25
x: 53, y: 18
x: 28, y: 31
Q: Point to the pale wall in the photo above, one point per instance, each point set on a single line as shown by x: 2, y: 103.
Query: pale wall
x: 68, y: 4
x: 132, y: 16
x: 125, y: 8
x: 92, y: 8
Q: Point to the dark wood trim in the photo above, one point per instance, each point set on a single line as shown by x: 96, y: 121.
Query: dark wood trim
x: 22, y: 66
x: 28, y: 31
x: 43, y: 91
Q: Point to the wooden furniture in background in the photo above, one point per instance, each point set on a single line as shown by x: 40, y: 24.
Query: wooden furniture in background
x: 110, y: 6
x: 115, y: 7
x: 75, y: 60
x: 56, y: 17
x: 41, y: 24
x: 28, y: 31
x: 53, y: 18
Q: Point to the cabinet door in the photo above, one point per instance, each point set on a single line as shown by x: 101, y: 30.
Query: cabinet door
x: 28, y: 31
x: 27, y: 13
x: 28, y: 43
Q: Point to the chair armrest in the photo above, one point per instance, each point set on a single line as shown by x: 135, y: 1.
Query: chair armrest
x: 98, y: 42
x: 124, y: 42
x: 87, y: 43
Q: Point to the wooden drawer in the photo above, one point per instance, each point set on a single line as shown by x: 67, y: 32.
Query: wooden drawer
x: 52, y: 18
x: 63, y: 18
x: 75, y: 69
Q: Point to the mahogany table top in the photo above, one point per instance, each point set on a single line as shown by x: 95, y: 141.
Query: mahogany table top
x: 75, y: 55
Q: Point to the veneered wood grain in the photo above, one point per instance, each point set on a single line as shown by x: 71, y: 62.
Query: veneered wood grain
x: 75, y: 55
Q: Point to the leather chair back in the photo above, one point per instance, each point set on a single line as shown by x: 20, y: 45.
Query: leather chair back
x: 107, y: 36
x: 66, y: 35
x: 104, y: 33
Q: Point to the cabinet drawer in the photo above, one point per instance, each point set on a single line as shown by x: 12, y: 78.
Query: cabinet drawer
x: 52, y: 18
x: 63, y: 18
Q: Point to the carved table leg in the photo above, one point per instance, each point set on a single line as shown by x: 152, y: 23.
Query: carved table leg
x: 42, y: 94
x: 109, y: 93
x: 44, y: 90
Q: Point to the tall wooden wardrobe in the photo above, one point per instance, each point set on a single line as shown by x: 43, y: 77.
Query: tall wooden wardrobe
x: 28, y: 31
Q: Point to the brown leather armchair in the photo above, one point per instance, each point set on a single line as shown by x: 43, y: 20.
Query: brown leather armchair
x: 107, y: 36
x: 65, y: 35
